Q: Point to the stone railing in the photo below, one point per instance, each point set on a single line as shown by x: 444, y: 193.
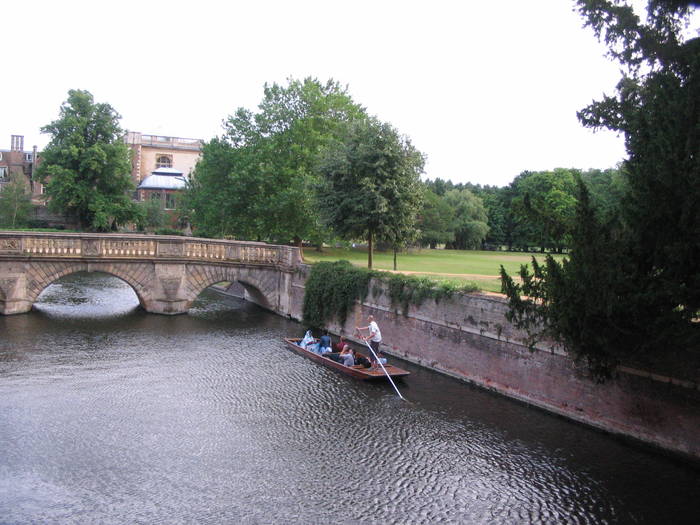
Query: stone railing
x: 124, y: 246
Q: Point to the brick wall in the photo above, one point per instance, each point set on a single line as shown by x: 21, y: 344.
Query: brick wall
x: 468, y: 337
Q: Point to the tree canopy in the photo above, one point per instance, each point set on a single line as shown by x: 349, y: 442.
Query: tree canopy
x: 371, y: 184
x: 86, y: 165
x: 632, y: 285
x: 258, y: 180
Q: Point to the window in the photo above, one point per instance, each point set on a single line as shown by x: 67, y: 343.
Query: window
x: 27, y: 157
x: 164, y: 161
x: 170, y: 202
x: 3, y: 173
x: 155, y: 196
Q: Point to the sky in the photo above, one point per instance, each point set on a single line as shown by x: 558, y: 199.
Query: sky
x: 485, y: 90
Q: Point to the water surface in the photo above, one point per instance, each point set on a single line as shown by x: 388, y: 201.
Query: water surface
x: 109, y: 414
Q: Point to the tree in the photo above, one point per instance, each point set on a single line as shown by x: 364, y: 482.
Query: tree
x: 470, y: 220
x: 15, y: 203
x: 259, y: 180
x: 86, y: 165
x: 632, y: 287
x: 152, y: 216
x: 371, y: 184
x: 546, y: 201
x: 436, y: 220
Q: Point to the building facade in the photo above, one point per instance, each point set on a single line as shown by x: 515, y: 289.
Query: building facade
x: 17, y: 161
x: 152, y: 152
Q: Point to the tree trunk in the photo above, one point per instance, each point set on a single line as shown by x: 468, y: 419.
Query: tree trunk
x: 369, y: 250
x: 394, y: 258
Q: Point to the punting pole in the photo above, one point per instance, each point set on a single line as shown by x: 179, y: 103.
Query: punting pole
x: 387, y: 373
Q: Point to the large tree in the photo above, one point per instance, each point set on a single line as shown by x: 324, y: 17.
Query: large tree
x: 546, y: 201
x: 86, y: 165
x: 371, y: 185
x: 436, y: 220
x: 258, y: 180
x: 632, y: 287
x: 470, y: 219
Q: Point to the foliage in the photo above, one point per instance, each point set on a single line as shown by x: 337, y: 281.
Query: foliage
x: 632, y: 286
x: 546, y: 201
x: 15, y: 203
x: 470, y: 226
x: 168, y: 231
x: 580, y: 302
x: 436, y: 220
x: 258, y: 180
x: 151, y: 215
x: 86, y: 167
x: 332, y: 289
x: 371, y: 184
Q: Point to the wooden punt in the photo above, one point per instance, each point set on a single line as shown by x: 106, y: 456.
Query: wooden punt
x: 357, y: 371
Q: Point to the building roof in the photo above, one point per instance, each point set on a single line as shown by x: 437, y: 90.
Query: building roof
x: 163, y: 179
x: 167, y: 171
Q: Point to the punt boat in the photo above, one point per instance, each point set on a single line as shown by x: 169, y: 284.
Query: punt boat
x: 357, y: 371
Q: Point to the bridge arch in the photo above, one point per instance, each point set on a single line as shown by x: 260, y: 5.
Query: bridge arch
x: 261, y: 284
x: 47, y: 276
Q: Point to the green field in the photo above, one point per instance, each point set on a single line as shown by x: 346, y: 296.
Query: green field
x: 459, y: 266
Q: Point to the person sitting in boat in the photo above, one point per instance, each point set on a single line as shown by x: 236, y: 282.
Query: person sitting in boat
x: 347, y: 357
x: 324, y: 345
x: 340, y: 357
x: 308, y: 338
x: 340, y: 344
x: 360, y: 359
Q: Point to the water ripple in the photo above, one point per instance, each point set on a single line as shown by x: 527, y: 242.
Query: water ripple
x: 111, y: 415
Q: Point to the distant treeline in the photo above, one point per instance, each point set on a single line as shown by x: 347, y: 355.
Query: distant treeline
x: 535, y: 211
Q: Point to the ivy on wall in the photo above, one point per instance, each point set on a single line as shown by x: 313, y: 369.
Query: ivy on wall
x: 332, y: 289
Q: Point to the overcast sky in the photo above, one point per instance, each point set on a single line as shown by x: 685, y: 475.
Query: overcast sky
x: 484, y: 89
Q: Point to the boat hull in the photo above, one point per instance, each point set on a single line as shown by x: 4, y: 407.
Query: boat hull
x: 357, y: 372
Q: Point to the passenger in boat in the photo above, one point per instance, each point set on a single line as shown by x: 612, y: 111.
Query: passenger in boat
x: 340, y: 344
x: 374, y: 337
x: 340, y: 357
x: 360, y: 359
x: 324, y: 345
x: 347, y: 357
x: 308, y: 338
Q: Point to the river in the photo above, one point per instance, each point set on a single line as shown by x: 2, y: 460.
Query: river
x: 109, y: 415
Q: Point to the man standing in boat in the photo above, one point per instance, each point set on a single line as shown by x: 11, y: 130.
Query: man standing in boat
x: 374, y: 337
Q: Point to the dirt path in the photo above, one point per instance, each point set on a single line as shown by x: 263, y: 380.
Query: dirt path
x: 473, y: 275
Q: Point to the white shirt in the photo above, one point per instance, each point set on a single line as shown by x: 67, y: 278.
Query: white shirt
x: 374, y: 332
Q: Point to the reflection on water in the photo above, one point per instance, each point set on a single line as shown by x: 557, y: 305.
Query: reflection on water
x: 112, y: 415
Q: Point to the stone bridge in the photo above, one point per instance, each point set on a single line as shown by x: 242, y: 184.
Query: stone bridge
x: 166, y: 272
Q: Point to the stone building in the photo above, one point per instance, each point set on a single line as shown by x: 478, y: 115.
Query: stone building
x: 153, y: 152
x: 18, y: 161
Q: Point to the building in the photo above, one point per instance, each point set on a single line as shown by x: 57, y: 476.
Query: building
x: 18, y: 161
x: 163, y: 184
x: 160, y: 165
x: 151, y: 152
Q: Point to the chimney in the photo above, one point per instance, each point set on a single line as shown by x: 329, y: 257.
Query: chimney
x: 17, y: 143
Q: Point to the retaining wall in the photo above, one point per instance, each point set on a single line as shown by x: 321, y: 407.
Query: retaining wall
x: 468, y: 337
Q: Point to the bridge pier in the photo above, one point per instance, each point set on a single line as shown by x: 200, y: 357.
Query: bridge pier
x: 168, y: 291
x: 14, y: 296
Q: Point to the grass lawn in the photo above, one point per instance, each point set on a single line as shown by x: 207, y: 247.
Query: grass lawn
x: 460, y: 266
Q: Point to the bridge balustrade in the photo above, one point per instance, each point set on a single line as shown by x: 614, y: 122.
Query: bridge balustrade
x: 118, y: 246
